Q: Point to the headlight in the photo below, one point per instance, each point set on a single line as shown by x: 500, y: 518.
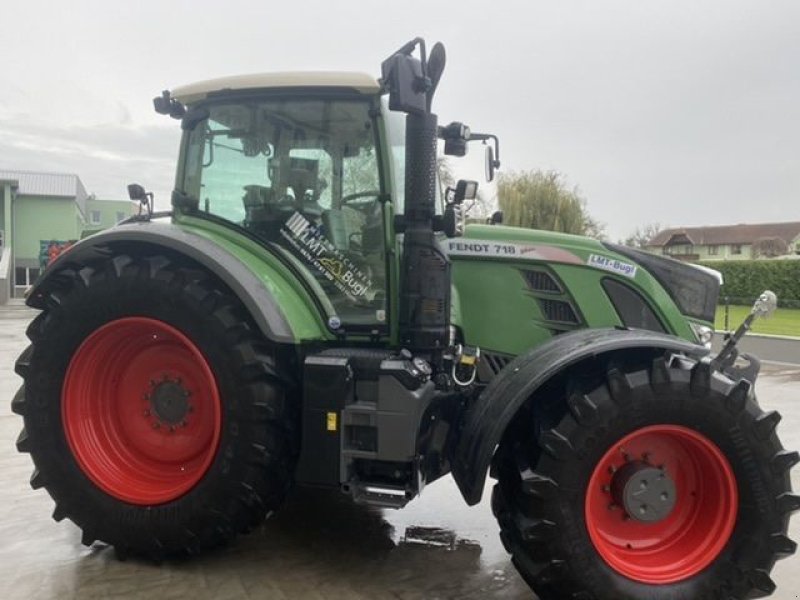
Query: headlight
x: 703, y: 333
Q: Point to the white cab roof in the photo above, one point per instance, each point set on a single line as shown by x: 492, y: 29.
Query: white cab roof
x: 360, y: 82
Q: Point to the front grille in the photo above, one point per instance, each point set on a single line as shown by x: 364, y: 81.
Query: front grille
x: 558, y: 311
x: 490, y: 364
x: 540, y: 281
x: 496, y: 362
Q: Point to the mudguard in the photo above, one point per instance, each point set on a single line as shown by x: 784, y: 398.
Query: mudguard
x: 247, y: 286
x: 487, y: 419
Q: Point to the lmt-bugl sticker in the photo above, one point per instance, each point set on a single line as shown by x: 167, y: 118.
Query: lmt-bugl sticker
x: 612, y: 264
x: 321, y: 254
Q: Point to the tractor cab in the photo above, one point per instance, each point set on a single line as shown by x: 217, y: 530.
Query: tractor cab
x: 296, y: 162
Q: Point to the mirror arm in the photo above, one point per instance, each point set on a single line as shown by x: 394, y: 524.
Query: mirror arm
x: 483, y: 137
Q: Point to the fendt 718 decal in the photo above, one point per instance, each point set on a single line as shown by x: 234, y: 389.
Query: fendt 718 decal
x: 509, y: 250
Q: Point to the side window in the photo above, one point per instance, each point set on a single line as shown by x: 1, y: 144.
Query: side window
x: 231, y: 180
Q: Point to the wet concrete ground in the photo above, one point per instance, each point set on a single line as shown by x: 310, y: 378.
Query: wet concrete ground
x: 320, y: 546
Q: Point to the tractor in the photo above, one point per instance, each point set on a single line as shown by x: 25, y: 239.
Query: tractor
x: 314, y: 310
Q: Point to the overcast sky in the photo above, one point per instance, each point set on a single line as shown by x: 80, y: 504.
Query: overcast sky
x: 677, y: 112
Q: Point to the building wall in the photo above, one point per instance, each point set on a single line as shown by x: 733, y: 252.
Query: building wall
x: 109, y: 212
x: 725, y: 252
x: 6, y: 200
x: 703, y: 252
x: 39, y: 218
x: 2, y: 208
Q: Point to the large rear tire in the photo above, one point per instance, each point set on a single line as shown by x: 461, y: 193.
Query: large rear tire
x: 662, y: 483
x: 155, y: 413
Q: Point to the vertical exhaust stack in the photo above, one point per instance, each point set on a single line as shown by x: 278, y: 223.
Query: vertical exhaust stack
x: 425, y: 282
x: 425, y: 279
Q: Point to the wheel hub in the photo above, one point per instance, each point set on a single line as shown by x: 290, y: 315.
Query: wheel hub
x: 141, y: 410
x: 169, y: 402
x: 661, y: 504
x: 647, y: 493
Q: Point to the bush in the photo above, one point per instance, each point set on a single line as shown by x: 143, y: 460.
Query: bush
x: 746, y: 279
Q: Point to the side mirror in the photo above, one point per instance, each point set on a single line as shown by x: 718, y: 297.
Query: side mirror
x: 137, y: 193
x: 490, y: 163
x: 497, y: 217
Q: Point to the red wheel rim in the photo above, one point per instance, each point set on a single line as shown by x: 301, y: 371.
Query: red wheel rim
x: 141, y: 411
x: 690, y: 537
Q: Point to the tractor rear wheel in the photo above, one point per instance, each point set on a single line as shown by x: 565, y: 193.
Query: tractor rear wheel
x: 660, y: 483
x: 154, y: 411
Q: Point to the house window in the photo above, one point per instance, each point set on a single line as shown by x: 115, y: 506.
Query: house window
x: 679, y: 249
x: 120, y: 216
x: 94, y: 217
x: 713, y: 250
x: 736, y: 249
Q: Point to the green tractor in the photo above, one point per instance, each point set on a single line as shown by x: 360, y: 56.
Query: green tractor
x: 312, y: 311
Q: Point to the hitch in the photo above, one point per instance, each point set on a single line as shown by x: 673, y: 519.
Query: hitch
x: 764, y: 306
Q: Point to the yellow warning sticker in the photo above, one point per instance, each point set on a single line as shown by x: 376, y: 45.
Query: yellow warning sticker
x: 332, y: 421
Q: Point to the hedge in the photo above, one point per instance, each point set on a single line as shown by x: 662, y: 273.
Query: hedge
x: 746, y: 279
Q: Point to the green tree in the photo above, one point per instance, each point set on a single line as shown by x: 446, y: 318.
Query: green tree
x: 543, y: 200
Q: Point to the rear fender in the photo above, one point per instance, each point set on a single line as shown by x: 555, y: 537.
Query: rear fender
x: 251, y: 289
x: 487, y: 418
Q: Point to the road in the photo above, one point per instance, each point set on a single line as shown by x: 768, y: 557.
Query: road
x: 319, y: 547
x: 767, y: 348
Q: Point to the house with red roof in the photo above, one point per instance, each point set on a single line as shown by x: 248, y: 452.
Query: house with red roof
x: 729, y: 242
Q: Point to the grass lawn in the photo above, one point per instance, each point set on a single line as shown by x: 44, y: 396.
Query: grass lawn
x: 784, y: 321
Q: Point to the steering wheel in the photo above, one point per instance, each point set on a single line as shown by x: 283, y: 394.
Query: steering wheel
x: 350, y: 197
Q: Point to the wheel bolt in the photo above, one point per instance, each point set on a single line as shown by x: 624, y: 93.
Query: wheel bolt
x: 146, y: 412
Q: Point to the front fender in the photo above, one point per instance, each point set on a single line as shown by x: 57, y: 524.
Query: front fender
x: 487, y: 419
x: 251, y: 289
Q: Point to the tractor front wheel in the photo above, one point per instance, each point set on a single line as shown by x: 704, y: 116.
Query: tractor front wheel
x: 660, y: 483
x: 155, y: 413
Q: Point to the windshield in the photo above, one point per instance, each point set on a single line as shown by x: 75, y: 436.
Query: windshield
x: 303, y: 174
